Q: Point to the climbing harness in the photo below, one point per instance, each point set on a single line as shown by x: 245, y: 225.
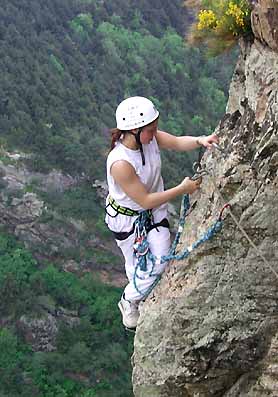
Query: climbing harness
x: 119, y: 209
x: 149, y: 224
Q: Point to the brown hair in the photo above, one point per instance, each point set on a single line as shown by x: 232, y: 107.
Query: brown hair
x: 115, y: 136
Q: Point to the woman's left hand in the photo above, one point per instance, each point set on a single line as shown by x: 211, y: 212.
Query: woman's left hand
x: 207, y: 141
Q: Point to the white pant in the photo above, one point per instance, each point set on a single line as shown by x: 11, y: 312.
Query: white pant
x: 159, y: 243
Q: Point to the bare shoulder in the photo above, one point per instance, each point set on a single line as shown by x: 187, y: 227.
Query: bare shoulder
x: 122, y: 170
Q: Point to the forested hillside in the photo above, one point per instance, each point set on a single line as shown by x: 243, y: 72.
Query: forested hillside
x: 66, y: 64
x: 60, y: 336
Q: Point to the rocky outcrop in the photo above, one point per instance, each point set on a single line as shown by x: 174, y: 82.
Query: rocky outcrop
x: 265, y: 23
x: 23, y: 213
x: 47, y: 234
x: 15, y: 173
x: 41, y: 331
x: 210, y: 328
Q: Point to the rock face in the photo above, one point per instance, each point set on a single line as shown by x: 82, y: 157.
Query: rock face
x: 41, y: 332
x: 22, y: 211
x: 265, y: 23
x: 210, y: 328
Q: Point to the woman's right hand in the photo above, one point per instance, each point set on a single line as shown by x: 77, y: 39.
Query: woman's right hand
x: 189, y: 186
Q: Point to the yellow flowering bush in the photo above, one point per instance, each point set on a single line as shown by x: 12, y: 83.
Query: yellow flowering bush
x: 221, y: 22
x: 207, y: 20
x: 237, y: 14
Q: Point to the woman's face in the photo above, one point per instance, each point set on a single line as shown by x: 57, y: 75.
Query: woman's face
x: 149, y: 132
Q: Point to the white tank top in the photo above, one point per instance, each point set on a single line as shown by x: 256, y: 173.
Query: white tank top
x: 150, y: 176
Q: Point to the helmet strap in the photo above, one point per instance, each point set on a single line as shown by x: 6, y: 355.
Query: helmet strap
x: 138, y: 141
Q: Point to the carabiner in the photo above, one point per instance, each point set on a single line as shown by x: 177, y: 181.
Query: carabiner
x: 227, y: 205
x: 198, y: 170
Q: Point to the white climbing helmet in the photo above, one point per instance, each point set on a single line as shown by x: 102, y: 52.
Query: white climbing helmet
x: 135, y: 112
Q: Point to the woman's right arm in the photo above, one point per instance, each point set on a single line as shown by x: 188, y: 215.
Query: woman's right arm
x: 126, y: 177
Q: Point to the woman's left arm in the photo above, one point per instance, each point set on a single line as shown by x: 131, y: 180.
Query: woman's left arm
x: 184, y: 143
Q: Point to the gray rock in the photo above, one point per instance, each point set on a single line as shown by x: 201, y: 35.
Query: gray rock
x: 101, y: 189
x: 24, y: 212
x: 265, y: 23
x: 210, y: 327
x: 41, y: 333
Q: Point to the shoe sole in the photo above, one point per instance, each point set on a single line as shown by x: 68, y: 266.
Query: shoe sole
x: 130, y: 330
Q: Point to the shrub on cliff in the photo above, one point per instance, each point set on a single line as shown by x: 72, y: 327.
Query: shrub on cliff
x: 220, y: 23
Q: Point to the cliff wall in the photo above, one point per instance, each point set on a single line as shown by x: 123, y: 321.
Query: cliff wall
x: 210, y: 328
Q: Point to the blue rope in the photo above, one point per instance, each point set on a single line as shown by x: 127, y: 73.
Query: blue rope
x: 142, y: 250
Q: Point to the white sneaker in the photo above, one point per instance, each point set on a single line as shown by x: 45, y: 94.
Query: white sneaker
x: 129, y: 312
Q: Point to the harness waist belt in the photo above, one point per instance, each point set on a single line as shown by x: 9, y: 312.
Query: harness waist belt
x: 121, y: 210
x: 124, y: 235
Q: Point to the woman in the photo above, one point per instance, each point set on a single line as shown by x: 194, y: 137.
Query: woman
x: 135, y: 184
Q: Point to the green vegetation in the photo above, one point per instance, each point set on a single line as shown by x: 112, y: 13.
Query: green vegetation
x: 56, y: 63
x: 76, y: 210
x: 82, y: 25
x: 79, y: 202
x: 221, y: 22
x: 66, y: 64
x: 92, y: 355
